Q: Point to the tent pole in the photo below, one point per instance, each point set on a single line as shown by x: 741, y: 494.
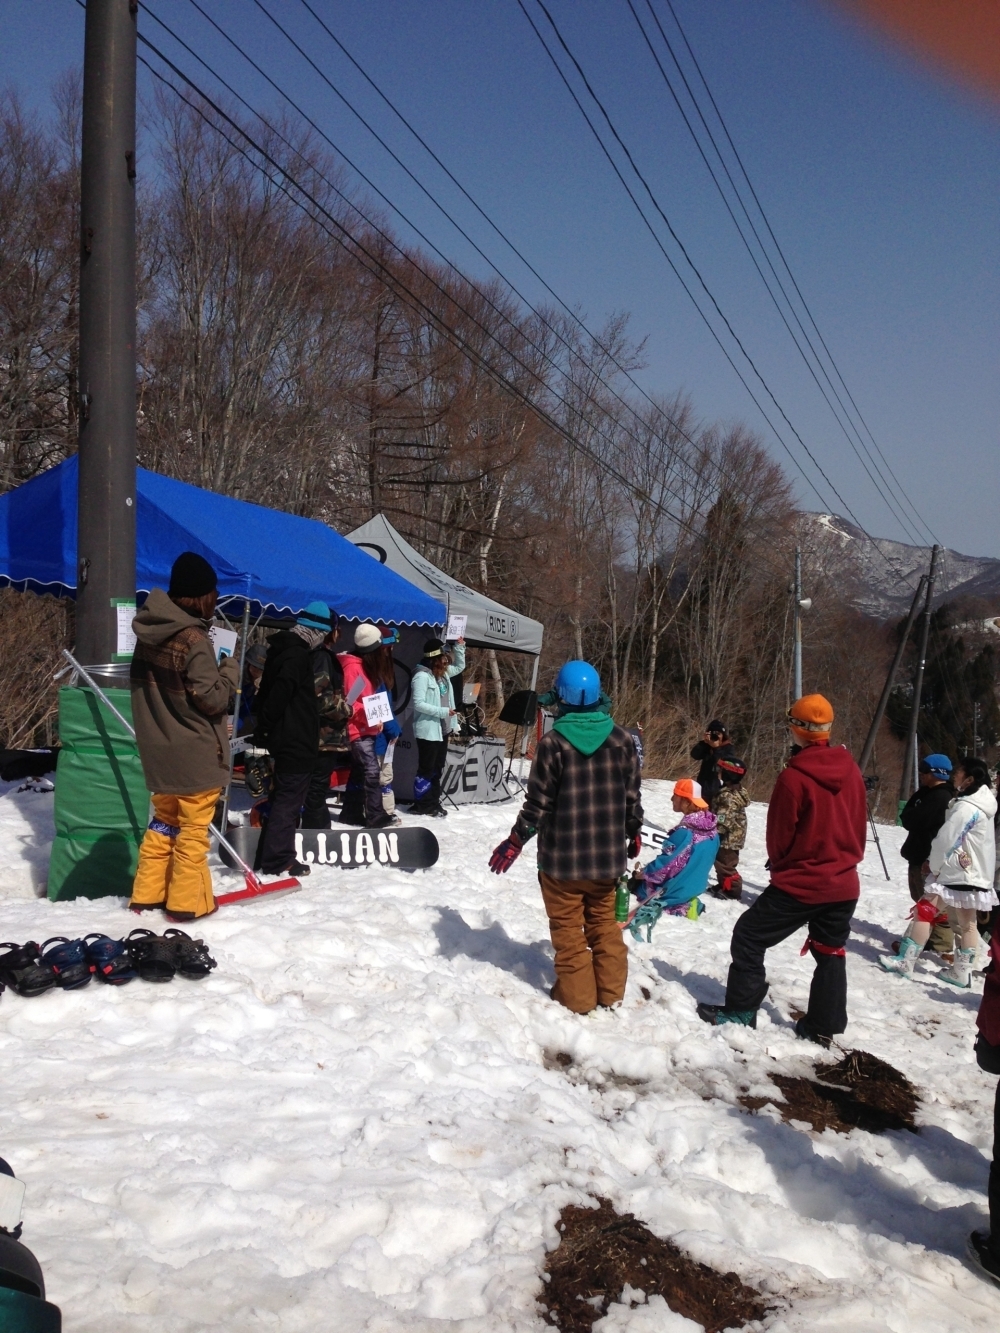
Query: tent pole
x: 244, y: 635
x: 533, y: 686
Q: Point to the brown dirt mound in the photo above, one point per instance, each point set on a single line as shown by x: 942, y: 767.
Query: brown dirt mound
x: 601, y: 1251
x: 866, y: 1093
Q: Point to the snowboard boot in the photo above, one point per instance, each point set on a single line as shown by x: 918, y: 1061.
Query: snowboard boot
x: 909, y: 952
x: 729, y: 889
x: 960, y: 972
x: 806, y: 1032
x: 717, y: 1014
x: 984, y: 1256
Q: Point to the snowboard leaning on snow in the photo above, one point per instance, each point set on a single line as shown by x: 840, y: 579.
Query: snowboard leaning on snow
x: 404, y: 847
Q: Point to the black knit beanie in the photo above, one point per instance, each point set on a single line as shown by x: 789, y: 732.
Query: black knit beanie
x: 433, y: 648
x: 191, y: 576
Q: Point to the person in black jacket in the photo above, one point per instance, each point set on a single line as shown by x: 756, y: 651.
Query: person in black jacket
x: 713, y: 746
x: 334, y: 711
x: 922, y: 816
x: 288, y: 723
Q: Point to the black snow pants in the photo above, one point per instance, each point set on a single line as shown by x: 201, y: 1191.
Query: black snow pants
x: 772, y: 918
x: 276, y: 848
x: 994, y: 1185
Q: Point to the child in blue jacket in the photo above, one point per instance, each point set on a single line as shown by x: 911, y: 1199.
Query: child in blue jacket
x: 680, y: 873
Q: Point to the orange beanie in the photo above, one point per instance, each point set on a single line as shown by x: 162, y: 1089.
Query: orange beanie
x: 811, y: 718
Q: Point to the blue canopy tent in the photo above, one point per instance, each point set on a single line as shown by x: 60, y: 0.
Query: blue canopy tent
x: 267, y: 562
x: 276, y: 561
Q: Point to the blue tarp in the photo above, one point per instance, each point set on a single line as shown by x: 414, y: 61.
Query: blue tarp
x: 277, y: 560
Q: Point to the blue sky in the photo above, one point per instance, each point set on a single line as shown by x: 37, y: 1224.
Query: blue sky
x: 879, y: 178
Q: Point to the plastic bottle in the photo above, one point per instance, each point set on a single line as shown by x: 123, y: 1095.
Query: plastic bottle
x: 621, y: 899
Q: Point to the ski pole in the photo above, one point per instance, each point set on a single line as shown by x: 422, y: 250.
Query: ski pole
x: 249, y: 874
x: 871, y: 820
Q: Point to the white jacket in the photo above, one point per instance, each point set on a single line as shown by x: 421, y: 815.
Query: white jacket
x: 963, y: 854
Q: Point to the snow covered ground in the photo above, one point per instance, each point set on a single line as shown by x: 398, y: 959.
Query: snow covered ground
x: 358, y: 1123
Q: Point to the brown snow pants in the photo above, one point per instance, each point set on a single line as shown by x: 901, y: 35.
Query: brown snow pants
x: 591, y: 956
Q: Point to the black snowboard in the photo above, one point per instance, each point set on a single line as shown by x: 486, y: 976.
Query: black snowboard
x: 405, y: 847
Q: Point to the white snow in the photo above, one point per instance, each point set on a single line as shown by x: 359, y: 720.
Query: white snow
x: 353, y: 1125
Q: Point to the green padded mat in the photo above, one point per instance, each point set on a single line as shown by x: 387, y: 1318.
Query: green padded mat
x: 101, y: 802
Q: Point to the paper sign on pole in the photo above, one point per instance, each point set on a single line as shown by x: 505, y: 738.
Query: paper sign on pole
x: 126, y: 634
x: 223, y: 641
x: 456, y: 627
x: 377, y: 708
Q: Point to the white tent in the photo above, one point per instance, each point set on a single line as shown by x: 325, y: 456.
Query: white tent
x: 490, y: 625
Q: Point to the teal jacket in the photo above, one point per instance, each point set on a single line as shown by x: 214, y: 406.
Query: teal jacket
x: 433, y: 700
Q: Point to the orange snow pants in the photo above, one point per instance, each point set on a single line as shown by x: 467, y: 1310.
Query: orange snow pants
x: 591, y: 955
x: 173, y: 859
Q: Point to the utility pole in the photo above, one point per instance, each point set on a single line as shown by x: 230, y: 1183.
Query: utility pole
x: 908, y: 782
x: 106, y: 497
x: 890, y: 679
x: 800, y: 604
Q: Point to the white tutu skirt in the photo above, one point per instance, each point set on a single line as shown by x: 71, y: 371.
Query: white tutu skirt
x: 983, y: 900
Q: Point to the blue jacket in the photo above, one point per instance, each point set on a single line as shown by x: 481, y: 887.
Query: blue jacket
x: 689, y: 882
x: 433, y: 700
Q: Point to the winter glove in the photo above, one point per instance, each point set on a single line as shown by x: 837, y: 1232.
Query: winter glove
x: 506, y: 854
x: 634, y: 845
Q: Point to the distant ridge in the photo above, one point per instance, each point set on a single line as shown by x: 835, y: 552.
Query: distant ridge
x: 846, y: 554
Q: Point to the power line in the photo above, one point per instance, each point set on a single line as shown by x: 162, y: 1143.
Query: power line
x: 396, y: 209
x: 377, y: 268
x: 691, y: 264
x: 670, y: 261
x: 899, y: 489
x: 570, y: 408
x: 879, y: 481
x: 788, y: 270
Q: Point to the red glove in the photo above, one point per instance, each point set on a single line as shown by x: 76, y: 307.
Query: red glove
x: 634, y: 845
x: 506, y: 854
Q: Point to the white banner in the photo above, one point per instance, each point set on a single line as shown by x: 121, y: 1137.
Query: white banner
x: 474, y: 773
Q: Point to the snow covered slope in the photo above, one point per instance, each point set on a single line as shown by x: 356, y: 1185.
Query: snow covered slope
x: 358, y: 1121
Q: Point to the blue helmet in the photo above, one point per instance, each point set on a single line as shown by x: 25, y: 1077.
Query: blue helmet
x: 578, y: 684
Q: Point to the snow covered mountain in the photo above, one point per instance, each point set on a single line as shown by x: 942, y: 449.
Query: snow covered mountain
x: 880, y: 576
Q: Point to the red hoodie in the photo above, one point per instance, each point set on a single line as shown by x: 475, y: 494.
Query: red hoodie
x: 817, y: 824
x: 988, y: 1021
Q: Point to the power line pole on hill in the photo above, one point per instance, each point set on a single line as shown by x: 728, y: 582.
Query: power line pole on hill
x: 908, y: 782
x: 106, y: 497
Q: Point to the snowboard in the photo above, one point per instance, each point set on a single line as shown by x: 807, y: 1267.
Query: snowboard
x: 405, y: 847
x: 652, y: 836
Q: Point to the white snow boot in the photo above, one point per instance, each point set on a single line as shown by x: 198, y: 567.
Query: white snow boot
x: 960, y: 972
x: 909, y: 952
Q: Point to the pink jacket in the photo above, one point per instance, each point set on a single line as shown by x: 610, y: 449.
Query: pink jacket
x: 357, y: 724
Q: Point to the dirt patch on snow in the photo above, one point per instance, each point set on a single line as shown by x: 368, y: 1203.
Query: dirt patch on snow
x: 603, y: 1252
x: 858, y: 1092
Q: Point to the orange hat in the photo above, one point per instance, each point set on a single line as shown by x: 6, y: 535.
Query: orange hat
x: 691, y: 791
x: 811, y: 717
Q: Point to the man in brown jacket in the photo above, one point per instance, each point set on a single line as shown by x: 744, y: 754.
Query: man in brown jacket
x: 179, y: 702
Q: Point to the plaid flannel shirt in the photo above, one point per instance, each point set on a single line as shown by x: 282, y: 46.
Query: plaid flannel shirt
x: 583, y: 807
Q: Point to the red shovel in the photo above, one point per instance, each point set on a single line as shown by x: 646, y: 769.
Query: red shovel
x: 254, y: 888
